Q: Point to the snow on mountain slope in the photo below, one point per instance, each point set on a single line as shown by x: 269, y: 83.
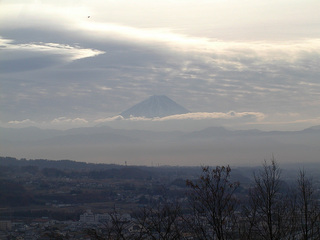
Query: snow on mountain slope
x: 155, y: 106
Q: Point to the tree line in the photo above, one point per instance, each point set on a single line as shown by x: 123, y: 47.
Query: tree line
x: 270, y: 210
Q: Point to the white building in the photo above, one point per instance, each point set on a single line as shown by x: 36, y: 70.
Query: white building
x: 88, y: 216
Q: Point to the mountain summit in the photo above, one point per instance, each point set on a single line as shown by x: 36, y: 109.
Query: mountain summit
x: 155, y: 106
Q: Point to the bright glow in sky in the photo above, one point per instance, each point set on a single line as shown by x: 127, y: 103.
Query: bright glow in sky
x: 74, y: 63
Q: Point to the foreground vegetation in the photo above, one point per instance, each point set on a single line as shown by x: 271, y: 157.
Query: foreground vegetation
x: 271, y: 210
x: 210, y: 204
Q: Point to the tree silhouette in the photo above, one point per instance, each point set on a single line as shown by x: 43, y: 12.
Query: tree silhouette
x: 268, y: 201
x: 308, y: 208
x: 161, y: 221
x: 213, y: 204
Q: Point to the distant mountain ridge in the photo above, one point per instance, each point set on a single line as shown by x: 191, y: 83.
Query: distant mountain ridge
x: 155, y: 106
x: 211, y: 145
x: 108, y: 134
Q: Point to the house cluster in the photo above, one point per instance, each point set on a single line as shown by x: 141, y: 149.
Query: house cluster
x: 44, y: 228
x: 89, y: 217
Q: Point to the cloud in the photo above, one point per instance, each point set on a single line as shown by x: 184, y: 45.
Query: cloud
x: 65, y: 120
x: 155, y: 36
x: 22, y: 123
x: 258, y: 116
x: 33, y: 55
x: 59, y: 123
x: 104, y: 88
x: 215, y: 115
x: 109, y: 119
x: 224, y: 55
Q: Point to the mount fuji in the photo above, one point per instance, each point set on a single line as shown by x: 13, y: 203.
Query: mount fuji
x: 155, y: 106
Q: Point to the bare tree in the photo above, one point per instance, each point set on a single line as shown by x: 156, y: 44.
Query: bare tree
x: 269, y: 202
x: 114, y: 228
x: 161, y: 221
x: 213, y: 204
x: 309, y: 212
x: 247, y: 222
x: 291, y: 221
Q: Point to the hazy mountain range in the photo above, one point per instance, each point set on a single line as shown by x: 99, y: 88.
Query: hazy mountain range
x: 208, y: 146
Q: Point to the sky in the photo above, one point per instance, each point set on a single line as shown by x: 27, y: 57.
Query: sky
x: 241, y: 64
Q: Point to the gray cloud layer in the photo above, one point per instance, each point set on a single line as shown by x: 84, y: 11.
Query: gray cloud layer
x: 58, y: 64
